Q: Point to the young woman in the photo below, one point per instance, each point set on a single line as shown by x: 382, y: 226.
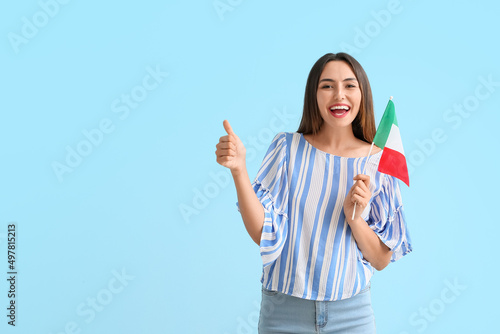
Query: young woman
x: 317, y: 259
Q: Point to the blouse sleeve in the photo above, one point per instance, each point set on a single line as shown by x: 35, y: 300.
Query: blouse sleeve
x: 271, y: 188
x: 387, y: 218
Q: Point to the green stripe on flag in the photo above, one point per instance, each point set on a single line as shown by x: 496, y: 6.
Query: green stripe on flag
x: 384, y: 128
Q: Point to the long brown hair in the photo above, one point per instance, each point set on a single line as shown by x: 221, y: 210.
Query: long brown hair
x: 363, y: 126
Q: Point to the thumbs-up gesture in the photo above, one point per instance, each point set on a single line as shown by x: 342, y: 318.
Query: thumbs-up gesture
x: 231, y: 151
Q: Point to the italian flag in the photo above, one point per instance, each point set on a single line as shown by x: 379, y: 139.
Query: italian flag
x: 393, y: 161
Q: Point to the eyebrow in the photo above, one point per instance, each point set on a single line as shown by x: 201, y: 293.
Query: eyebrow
x: 331, y: 80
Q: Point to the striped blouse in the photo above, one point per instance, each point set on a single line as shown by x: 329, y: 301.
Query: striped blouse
x: 307, y: 248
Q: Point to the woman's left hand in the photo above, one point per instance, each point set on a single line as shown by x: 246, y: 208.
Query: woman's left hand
x: 359, y: 193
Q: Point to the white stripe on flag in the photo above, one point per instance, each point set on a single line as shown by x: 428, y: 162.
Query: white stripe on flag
x: 394, y: 140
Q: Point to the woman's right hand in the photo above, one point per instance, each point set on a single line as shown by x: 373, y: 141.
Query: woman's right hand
x: 231, y: 151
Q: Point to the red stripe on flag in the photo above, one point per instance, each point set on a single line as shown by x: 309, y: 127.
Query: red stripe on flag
x: 394, y: 163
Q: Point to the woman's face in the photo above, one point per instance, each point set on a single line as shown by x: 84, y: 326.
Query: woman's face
x: 338, y: 95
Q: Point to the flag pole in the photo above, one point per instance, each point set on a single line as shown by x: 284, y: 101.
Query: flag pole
x: 364, y: 169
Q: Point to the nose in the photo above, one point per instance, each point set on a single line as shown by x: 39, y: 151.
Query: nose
x: 338, y: 93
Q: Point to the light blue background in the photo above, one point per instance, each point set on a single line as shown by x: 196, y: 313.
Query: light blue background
x: 198, y: 272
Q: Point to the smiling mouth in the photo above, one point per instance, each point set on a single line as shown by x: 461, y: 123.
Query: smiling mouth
x: 340, y: 110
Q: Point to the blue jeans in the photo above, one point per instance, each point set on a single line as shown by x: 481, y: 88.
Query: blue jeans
x: 281, y: 313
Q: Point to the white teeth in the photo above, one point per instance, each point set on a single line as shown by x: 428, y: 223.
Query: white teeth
x: 339, y: 107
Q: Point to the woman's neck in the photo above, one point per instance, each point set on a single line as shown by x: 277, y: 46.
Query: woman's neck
x: 336, y: 140
x: 340, y: 142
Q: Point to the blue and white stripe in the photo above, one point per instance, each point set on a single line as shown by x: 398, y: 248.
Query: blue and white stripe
x: 307, y: 247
